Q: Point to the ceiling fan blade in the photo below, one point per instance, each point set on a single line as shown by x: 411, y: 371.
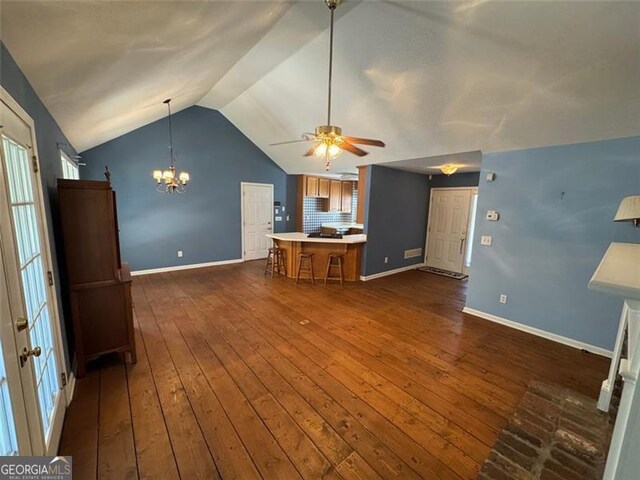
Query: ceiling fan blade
x: 353, y: 149
x: 291, y: 141
x: 365, y: 141
x: 309, y: 152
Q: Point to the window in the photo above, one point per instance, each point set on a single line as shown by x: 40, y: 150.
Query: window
x: 70, y: 169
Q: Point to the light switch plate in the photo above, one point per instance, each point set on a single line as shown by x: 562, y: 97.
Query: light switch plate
x: 485, y: 240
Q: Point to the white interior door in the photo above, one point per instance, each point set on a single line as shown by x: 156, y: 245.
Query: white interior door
x: 257, y: 219
x: 27, y: 265
x: 447, y: 230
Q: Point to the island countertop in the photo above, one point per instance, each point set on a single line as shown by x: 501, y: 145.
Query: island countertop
x: 302, y: 237
x: 349, y: 248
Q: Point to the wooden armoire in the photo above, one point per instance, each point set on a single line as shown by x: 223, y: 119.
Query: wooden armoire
x: 99, y: 284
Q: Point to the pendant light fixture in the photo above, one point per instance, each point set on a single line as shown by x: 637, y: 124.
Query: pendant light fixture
x: 168, y: 181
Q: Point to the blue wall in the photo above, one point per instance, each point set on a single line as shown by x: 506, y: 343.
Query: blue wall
x: 396, y: 214
x: 395, y: 218
x: 48, y: 136
x: 205, y: 222
x: 556, y: 208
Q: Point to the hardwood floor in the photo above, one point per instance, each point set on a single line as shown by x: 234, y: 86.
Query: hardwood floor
x: 241, y: 376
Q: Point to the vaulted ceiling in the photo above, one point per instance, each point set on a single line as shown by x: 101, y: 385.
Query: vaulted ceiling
x: 428, y: 78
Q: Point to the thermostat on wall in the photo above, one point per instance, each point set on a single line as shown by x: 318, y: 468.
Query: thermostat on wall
x: 492, y: 215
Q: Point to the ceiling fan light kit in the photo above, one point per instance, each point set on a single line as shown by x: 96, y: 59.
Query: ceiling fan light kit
x: 330, y: 142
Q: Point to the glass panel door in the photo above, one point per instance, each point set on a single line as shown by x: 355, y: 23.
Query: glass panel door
x: 32, y: 321
x: 30, y: 263
x: 8, y: 434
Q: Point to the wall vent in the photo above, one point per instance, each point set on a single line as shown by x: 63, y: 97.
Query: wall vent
x: 416, y: 252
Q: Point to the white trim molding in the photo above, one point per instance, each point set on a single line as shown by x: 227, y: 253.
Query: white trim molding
x: 70, y: 389
x: 391, y: 272
x: 186, y: 267
x: 540, y: 333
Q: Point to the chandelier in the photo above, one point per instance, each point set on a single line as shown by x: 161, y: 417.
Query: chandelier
x: 168, y: 181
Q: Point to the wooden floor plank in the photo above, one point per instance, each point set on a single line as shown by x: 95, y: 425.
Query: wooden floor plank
x: 228, y: 452
x: 268, y: 455
x: 153, y: 446
x: 319, y: 431
x: 116, y: 450
x: 243, y: 376
x: 189, y: 445
x: 355, y: 468
x: 80, y: 434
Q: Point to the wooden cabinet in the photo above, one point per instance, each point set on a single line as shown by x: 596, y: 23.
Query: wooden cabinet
x: 310, y: 186
x: 324, y: 187
x: 340, y: 197
x: 335, y: 196
x: 318, y: 187
x: 347, y: 197
x: 99, y: 284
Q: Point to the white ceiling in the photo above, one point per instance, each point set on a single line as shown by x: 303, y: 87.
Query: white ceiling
x: 465, y: 161
x: 428, y: 78
x: 103, y: 68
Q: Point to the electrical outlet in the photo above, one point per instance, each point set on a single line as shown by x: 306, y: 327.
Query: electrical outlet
x: 503, y: 298
x: 179, y: 253
x: 485, y: 240
x: 386, y: 259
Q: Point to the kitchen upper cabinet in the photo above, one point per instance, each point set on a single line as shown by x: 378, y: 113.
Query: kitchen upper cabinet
x: 324, y: 187
x: 311, y: 187
x: 335, y: 196
x: 347, y: 197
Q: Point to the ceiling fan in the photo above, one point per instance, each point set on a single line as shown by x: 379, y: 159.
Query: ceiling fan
x: 328, y: 139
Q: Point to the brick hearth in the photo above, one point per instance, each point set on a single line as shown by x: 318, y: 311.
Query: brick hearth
x: 555, y: 434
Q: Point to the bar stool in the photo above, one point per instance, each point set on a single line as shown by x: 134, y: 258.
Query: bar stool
x: 275, y: 261
x: 302, y: 256
x: 281, y: 261
x: 330, y: 264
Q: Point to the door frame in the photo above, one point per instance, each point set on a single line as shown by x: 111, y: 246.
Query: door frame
x: 253, y: 184
x: 52, y: 290
x: 465, y: 269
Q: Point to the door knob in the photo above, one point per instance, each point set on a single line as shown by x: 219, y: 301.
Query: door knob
x: 21, y: 324
x: 24, y: 356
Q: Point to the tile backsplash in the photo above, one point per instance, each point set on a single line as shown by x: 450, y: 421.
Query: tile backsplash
x: 313, y: 215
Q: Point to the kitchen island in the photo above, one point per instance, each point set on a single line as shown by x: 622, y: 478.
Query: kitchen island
x: 349, y: 246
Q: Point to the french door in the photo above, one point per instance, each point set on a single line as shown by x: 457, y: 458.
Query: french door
x: 32, y: 401
x: 257, y: 219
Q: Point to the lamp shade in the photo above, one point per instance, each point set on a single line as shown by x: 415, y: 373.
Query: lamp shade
x: 629, y: 210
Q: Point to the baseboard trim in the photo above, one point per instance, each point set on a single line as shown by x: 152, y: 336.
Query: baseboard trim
x: 391, y: 272
x: 540, y: 333
x: 186, y: 267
